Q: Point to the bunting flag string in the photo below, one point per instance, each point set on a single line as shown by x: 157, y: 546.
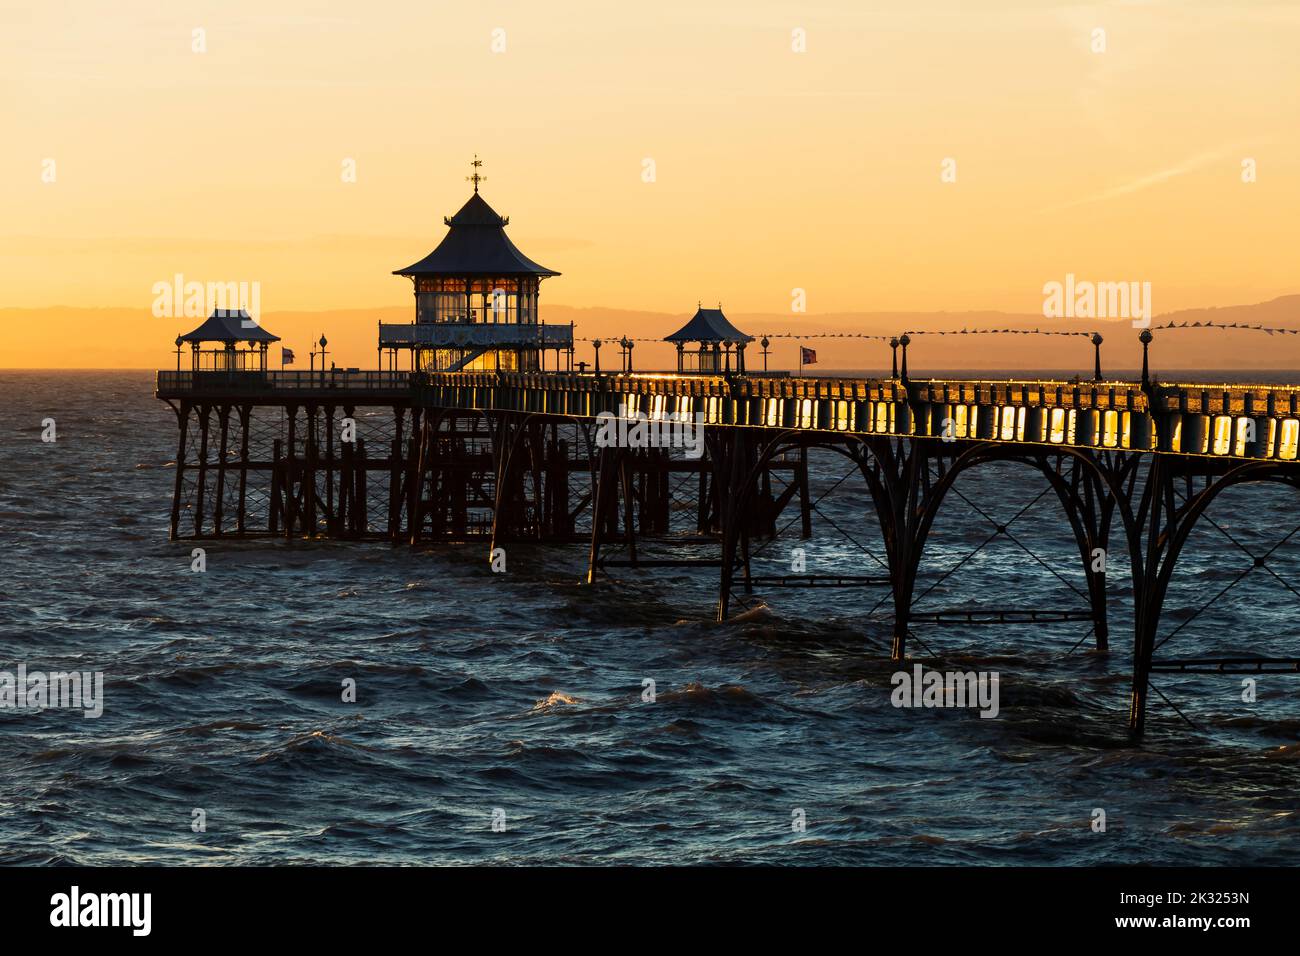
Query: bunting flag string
x: 995, y: 332
x: 1269, y: 330
x: 823, y: 335
x: 762, y: 335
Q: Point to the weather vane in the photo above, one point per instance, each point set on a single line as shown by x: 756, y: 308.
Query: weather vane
x: 476, y: 178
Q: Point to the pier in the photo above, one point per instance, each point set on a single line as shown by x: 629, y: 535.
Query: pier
x: 477, y: 441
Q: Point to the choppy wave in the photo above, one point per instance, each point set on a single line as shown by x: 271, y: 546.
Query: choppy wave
x: 365, y: 704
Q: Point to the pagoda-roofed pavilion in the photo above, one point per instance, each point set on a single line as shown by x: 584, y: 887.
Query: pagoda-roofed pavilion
x: 715, y: 336
x: 476, y: 300
x: 230, y: 329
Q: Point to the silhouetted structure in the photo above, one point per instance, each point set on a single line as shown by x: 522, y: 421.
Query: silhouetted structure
x: 229, y: 329
x: 476, y: 301
x: 714, y: 337
x: 443, y: 453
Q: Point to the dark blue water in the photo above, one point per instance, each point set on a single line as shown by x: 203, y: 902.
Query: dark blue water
x: 523, y: 692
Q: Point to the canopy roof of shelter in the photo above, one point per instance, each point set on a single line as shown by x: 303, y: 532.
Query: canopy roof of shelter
x: 230, y: 326
x: 708, y: 325
x: 476, y: 244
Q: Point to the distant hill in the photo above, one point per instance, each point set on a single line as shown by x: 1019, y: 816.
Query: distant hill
x: 132, y: 338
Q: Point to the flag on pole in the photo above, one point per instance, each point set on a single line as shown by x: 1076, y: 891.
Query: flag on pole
x: 286, y: 356
x: 807, y: 356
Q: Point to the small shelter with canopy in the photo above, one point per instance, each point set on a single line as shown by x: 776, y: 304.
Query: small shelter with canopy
x: 240, y: 343
x: 714, y: 337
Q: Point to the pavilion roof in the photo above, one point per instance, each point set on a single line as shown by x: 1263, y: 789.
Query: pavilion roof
x: 228, y: 325
x: 708, y: 325
x: 476, y: 244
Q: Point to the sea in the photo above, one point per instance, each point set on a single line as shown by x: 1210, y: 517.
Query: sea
x: 528, y: 718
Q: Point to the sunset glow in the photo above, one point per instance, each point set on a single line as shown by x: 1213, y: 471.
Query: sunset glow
x: 773, y: 169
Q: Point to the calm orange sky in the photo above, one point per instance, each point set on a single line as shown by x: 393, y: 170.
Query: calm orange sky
x: 129, y: 157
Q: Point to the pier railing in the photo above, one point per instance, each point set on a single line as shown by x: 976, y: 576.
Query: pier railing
x: 1221, y: 421
x: 354, y: 382
x: 1229, y: 421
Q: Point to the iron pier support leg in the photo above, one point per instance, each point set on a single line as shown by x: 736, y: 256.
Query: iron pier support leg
x: 1149, y: 587
x: 702, y: 500
x: 738, y: 458
x: 629, y: 506
x: 601, y: 501
x: 223, y: 446
x: 245, y: 415
x: 395, y: 472
x: 905, y: 531
x: 276, y: 507
x: 331, y: 506
x: 419, y: 460
x: 205, y: 414
x: 508, y: 445
x: 805, y: 502
x: 289, y: 482
x: 183, y: 416
x: 360, y: 511
x: 309, y: 477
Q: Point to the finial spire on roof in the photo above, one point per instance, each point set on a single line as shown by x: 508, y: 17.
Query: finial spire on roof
x: 476, y: 178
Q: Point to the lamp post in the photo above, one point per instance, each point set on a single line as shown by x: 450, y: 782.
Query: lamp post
x: 1096, y: 345
x: 595, y: 343
x: 904, y: 341
x: 893, y: 345
x: 1145, y: 338
x: 323, y: 343
x: 179, y: 343
x: 764, y: 343
x: 630, y: 344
